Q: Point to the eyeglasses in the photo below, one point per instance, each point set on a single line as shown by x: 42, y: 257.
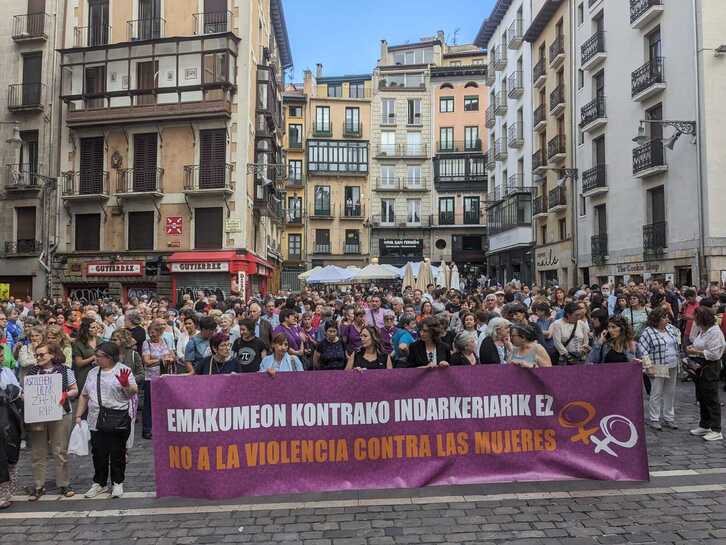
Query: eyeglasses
x: 41, y: 354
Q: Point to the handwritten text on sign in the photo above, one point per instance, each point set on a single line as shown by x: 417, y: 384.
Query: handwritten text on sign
x: 42, y: 394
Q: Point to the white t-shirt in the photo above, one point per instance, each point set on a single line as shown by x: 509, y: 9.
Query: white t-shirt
x: 113, y: 395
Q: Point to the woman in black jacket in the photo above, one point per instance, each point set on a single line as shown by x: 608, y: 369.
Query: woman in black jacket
x: 429, y: 350
x: 10, y: 432
x: 496, y: 348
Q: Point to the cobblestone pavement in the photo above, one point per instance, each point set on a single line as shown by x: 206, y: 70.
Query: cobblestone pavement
x: 684, y: 503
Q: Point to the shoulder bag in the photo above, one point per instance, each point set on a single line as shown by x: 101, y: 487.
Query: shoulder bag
x: 111, y: 420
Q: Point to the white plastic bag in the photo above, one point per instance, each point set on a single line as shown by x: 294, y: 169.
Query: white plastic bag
x: 80, y: 436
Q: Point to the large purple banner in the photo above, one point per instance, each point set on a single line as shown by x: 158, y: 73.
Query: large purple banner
x: 238, y: 435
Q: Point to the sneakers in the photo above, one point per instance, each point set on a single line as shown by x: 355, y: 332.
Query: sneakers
x: 671, y: 425
x: 118, y: 490
x: 655, y: 425
x: 700, y: 432
x: 713, y: 436
x: 95, y: 490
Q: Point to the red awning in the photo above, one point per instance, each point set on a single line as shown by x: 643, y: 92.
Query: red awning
x: 181, y: 257
x: 248, y: 262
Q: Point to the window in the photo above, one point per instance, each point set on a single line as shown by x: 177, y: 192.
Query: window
x: 322, y: 119
x: 336, y: 157
x: 91, y: 176
x: 446, y: 139
x: 352, y: 202
x: 414, y: 56
x: 656, y: 205
x: 322, y: 241
x: 580, y: 13
x: 208, y: 228
x: 352, y: 241
x: 598, y: 145
x: 295, y: 111
x: 563, y: 229
x: 141, y: 230
x: 654, y: 44
x: 212, y: 158
x: 294, y: 136
x: 601, y: 220
x: 414, y: 211
x: 322, y: 200
x: 388, y: 176
x: 414, y: 111
x: 215, y: 65
x: 471, y: 244
x: 95, y: 85
x: 580, y: 78
x: 388, y: 109
x: 543, y: 233
x: 25, y: 234
x: 147, y: 79
x: 88, y: 232
x: 335, y: 89
x: 294, y: 209
x: 414, y: 146
x: 471, y: 138
x: 294, y: 246
x: 97, y: 22
x: 32, y: 69
x: 446, y: 104
x: 388, y: 142
x: 29, y: 153
x: 471, y: 104
x: 414, y: 176
x: 387, y: 211
x: 446, y: 211
x: 352, y: 120
x: 357, y: 89
x: 294, y: 168
x: 471, y: 210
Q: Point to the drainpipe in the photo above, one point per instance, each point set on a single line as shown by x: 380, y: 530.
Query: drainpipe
x: 573, y: 150
x: 701, y: 257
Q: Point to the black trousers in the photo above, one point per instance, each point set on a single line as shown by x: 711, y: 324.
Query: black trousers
x: 707, y: 396
x: 109, y: 449
x: 146, y: 411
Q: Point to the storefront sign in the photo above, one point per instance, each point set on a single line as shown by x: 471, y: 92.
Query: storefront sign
x: 174, y: 225
x: 201, y: 267
x: 637, y: 268
x: 396, y: 243
x: 119, y: 268
x: 232, y: 225
x: 224, y: 436
x: 547, y: 259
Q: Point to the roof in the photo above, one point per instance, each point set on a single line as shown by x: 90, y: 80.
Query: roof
x: 413, y: 45
x: 339, y: 79
x: 277, y: 13
x: 542, y: 19
x: 477, y: 53
x: 491, y: 23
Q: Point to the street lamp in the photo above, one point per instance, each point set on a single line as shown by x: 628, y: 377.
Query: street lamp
x: 681, y: 127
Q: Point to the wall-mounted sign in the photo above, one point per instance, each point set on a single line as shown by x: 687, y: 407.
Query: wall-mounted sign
x: 119, y: 268
x: 204, y: 266
x: 232, y: 225
x: 411, y: 244
x: 637, y: 268
x: 174, y: 225
x: 547, y: 259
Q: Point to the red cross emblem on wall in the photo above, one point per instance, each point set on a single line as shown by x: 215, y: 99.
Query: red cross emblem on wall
x: 174, y: 225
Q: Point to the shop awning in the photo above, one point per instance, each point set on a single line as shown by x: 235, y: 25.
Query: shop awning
x: 247, y: 262
x: 182, y: 257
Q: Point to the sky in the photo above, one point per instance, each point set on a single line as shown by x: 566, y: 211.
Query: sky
x: 345, y: 35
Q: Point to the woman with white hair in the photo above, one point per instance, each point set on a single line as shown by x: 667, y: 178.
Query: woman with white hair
x: 496, y: 348
x: 465, y: 346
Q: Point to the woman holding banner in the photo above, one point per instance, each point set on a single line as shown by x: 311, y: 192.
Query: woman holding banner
x: 51, y: 360
x: 371, y: 355
x: 429, y: 350
x: 526, y: 352
x: 280, y: 360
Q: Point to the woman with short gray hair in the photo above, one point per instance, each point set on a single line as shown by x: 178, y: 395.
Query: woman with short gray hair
x: 496, y: 348
x: 465, y: 346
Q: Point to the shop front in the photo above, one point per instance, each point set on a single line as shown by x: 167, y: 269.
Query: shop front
x: 680, y: 271
x: 552, y: 265
x: 511, y: 264
x: 222, y: 274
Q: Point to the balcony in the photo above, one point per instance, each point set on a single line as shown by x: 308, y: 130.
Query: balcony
x: 539, y: 162
x: 399, y: 85
x: 491, y: 163
x: 295, y: 144
x: 23, y: 248
x: 500, y: 149
x: 267, y: 203
x: 649, y: 159
x: 352, y: 130
x: 489, y: 118
x: 593, y: 115
x: 539, y: 207
x: 593, y: 51
x: 515, y: 84
x: 500, y: 103
x: 539, y: 121
x: 352, y: 212
x: 594, y: 181
x: 293, y: 218
x: 322, y: 213
x: 515, y: 183
x: 491, y: 78
x: 388, y: 120
x: 539, y: 73
x: 26, y: 97
x: 402, y: 150
x: 465, y: 219
x: 89, y: 185
x: 401, y: 184
x: 351, y: 248
x: 208, y: 179
x: 22, y: 178
x: 458, y: 146
x: 557, y: 100
x: 515, y: 136
x: 419, y: 222
x: 515, y: 34
x: 556, y: 149
x: 91, y: 36
x: 296, y: 181
x: 599, y: 249
x: 654, y: 239
x: 30, y: 27
x: 140, y: 30
x: 648, y: 80
x: 512, y: 186
x: 322, y: 248
x: 557, y: 52
x: 557, y: 199
x: 643, y: 12
x: 324, y: 130
x: 139, y: 183
x: 500, y: 58
x: 212, y: 22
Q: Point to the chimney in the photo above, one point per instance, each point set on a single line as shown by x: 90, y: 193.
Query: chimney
x: 318, y: 70
x: 441, y: 37
x: 308, y: 82
x: 384, y: 51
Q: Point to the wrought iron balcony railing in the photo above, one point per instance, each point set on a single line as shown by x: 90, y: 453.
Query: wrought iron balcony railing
x: 593, y: 111
x: 594, y: 178
x: 91, y: 36
x: 213, y: 22
x: 26, y: 96
x: 651, y: 73
x: 88, y: 183
x: 599, y: 248
x: 458, y: 146
x: 655, y: 238
x: 145, y: 29
x: 648, y: 156
x: 208, y: 178
x: 23, y: 247
x: 30, y: 26
x: 639, y: 7
x: 594, y: 45
x: 140, y: 180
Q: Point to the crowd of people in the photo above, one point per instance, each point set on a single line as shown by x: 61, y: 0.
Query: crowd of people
x: 109, y: 354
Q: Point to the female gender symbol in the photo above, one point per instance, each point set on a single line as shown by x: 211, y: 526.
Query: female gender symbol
x: 607, y: 428
x: 582, y: 433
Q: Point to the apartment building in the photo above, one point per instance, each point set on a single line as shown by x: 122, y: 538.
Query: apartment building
x: 549, y: 37
x: 508, y: 119
x: 294, y: 252
x: 171, y: 149
x: 337, y: 168
x: 459, y: 96
x: 402, y: 207
x: 642, y: 211
x: 29, y: 125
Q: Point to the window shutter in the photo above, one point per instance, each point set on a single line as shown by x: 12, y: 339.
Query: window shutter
x: 212, y: 158
x: 208, y: 228
x: 141, y: 230
x: 91, y: 174
x: 88, y: 232
x: 145, y: 151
